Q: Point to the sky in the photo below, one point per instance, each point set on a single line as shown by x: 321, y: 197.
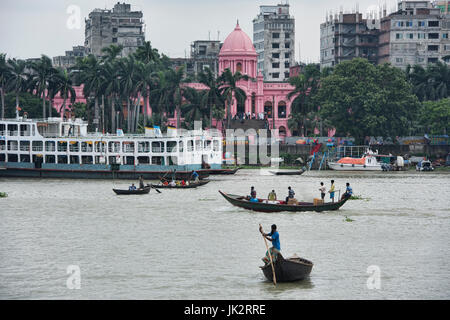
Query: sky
x: 29, y: 28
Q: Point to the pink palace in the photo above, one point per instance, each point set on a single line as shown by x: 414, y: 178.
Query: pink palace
x: 269, y: 98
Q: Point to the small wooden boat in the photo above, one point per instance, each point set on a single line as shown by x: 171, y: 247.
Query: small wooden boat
x: 264, y: 205
x: 288, y: 173
x: 288, y: 270
x: 223, y: 171
x: 189, y: 186
x: 137, y: 191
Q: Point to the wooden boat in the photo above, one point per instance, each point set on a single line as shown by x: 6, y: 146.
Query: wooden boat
x: 288, y: 173
x: 189, y: 186
x: 137, y: 191
x: 223, y: 171
x: 288, y: 270
x: 265, y: 206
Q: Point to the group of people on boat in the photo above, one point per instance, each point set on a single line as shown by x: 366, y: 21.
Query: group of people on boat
x: 174, y: 182
x: 290, y: 199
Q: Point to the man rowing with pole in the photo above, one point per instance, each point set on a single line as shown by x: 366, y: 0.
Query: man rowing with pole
x: 274, y: 237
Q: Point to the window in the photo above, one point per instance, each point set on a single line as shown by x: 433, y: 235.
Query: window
x: 286, y: 75
x: 275, y: 35
x: 275, y: 55
x: 286, y: 64
x: 287, y: 35
x: 421, y: 36
x: 399, y: 36
x: 409, y: 23
x: 275, y: 75
x: 287, y: 45
x: 399, y: 60
x: 114, y: 30
x: 400, y: 24
x: 445, y: 36
x: 432, y: 60
x: 410, y: 35
x: 275, y: 45
x: 114, y: 40
x: 433, y: 36
x: 433, y: 48
x: 433, y: 23
x: 276, y: 65
x: 287, y: 55
x: 421, y: 23
x: 239, y: 67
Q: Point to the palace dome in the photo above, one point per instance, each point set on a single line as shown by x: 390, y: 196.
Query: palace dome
x: 237, y: 43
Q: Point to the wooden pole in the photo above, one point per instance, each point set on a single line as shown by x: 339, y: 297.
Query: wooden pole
x: 270, y: 256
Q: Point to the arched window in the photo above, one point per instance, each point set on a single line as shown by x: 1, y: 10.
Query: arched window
x: 253, y: 103
x: 282, y: 110
x: 282, y: 131
x: 268, y: 109
x: 239, y: 67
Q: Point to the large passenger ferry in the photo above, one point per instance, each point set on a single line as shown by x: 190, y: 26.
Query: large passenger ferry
x: 58, y: 148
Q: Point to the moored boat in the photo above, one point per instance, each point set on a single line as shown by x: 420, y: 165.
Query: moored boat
x: 188, y: 186
x: 145, y: 190
x: 222, y: 171
x: 288, y: 173
x: 288, y: 270
x: 370, y: 161
x: 279, y: 206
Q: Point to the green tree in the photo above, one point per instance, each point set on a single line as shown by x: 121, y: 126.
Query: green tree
x: 64, y: 86
x: 212, y: 96
x: 361, y: 99
x: 18, y: 78
x: 434, y: 116
x: 42, y: 72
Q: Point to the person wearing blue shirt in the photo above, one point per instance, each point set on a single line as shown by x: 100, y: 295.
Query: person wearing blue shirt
x: 348, y: 191
x: 274, y: 237
x: 132, y: 187
x: 195, y: 176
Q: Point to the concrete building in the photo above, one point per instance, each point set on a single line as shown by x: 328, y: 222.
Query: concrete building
x: 274, y: 39
x: 345, y: 36
x: 69, y: 59
x: 205, y: 54
x: 418, y: 33
x: 119, y: 26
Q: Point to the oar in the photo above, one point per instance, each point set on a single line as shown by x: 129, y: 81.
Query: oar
x: 151, y: 186
x: 270, y: 257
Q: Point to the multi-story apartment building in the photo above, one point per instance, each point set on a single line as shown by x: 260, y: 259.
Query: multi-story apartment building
x: 205, y: 54
x: 345, y: 36
x: 119, y: 26
x: 418, y: 33
x: 69, y: 59
x: 274, y: 41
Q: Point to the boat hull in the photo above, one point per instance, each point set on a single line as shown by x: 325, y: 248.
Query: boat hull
x: 287, y: 173
x: 240, y: 201
x: 353, y: 167
x: 190, y: 186
x: 288, y: 270
x: 146, y: 190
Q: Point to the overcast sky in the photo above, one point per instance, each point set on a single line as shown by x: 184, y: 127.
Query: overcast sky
x: 29, y: 28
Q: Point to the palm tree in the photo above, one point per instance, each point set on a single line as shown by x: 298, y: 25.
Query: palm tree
x: 146, y: 53
x: 111, y: 88
x: 64, y: 86
x: 229, y: 88
x: 305, y: 87
x: 127, y: 72
x: 111, y: 53
x: 42, y: 73
x: 145, y: 79
x: 194, y: 108
x: 430, y: 83
x: 4, y: 74
x: 212, y: 96
x: 17, y: 80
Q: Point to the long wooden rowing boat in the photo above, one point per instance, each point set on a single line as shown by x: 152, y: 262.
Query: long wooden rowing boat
x: 265, y: 206
x: 145, y: 190
x: 288, y: 173
x: 222, y: 171
x: 189, y: 186
x: 287, y: 270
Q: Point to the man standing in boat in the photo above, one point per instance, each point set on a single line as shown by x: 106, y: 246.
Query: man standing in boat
x: 331, y: 191
x: 141, y: 182
x: 273, y: 237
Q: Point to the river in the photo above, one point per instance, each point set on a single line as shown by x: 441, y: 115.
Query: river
x: 192, y: 244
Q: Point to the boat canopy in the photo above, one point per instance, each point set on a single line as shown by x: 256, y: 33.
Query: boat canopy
x: 349, y: 160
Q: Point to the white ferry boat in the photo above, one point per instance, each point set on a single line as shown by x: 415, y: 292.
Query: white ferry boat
x: 59, y: 148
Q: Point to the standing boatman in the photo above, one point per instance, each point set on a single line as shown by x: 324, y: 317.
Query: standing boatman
x: 273, y: 237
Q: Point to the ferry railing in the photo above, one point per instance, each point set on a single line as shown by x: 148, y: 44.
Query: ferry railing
x: 37, y: 149
x: 157, y: 150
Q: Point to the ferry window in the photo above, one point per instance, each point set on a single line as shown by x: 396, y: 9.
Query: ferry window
x: 207, y: 145
x: 50, y: 159
x: 128, y: 147
x: 13, y: 158
x: 33, y: 127
x: 74, y: 146
x: 129, y: 160
x: 144, y: 147
x: 13, y: 145
x: 190, y: 146
x: 114, y: 147
x: 171, y: 146
x: 62, y: 146
x: 100, y: 146
x: 38, y: 146
x: 198, y: 145
x: 216, y: 145
x: 143, y: 160
x: 181, y: 146
x: 50, y: 146
x: 24, y: 130
x: 63, y: 159
x: 12, y: 130
x: 157, y: 161
x: 2, y: 157
x: 158, y: 146
x: 75, y: 159
x: 87, y: 160
x: 24, y: 145
x: 100, y: 160
x: 173, y: 160
x: 24, y: 158
x: 2, y: 130
x: 2, y: 145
